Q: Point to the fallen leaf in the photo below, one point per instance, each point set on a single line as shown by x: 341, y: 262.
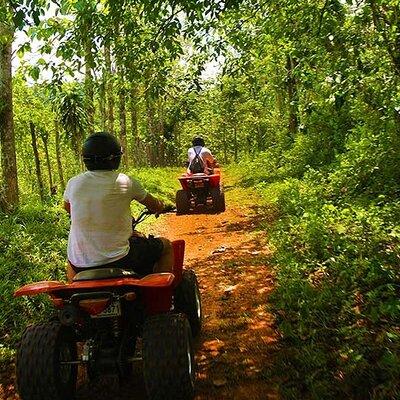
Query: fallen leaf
x: 213, y: 345
x: 229, y: 289
x: 219, y: 382
x: 254, y: 252
x: 220, y: 249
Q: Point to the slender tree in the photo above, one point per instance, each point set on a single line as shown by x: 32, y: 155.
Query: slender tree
x: 9, y: 189
x: 109, y: 88
x: 58, y: 154
x: 44, y: 135
x: 37, y: 160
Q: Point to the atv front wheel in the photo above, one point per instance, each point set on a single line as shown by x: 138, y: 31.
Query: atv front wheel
x: 43, y: 368
x: 187, y: 300
x: 168, y: 359
x: 182, y: 202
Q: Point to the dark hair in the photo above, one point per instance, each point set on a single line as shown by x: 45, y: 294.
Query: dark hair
x: 198, y: 141
x: 101, y: 151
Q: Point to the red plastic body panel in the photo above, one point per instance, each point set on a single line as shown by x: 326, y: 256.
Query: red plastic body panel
x: 214, y: 179
x: 156, y: 288
x: 160, y: 300
x: 161, y: 280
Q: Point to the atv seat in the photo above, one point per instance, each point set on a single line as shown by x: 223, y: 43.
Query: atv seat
x: 104, y: 273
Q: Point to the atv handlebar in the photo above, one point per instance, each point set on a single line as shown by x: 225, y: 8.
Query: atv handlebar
x: 146, y: 213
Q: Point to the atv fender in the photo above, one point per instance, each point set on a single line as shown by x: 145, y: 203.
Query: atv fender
x: 157, y: 281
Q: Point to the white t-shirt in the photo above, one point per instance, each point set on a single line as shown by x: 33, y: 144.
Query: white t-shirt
x: 101, y: 221
x: 204, y: 154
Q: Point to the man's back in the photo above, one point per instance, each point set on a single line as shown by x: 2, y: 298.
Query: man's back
x: 204, y: 154
x: 100, y: 216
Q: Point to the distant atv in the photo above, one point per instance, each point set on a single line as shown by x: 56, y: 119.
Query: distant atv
x: 106, y: 310
x: 200, y: 193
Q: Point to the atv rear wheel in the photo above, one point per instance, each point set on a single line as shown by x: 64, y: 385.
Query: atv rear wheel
x: 218, y: 198
x: 41, y: 372
x: 187, y: 300
x: 182, y: 202
x: 168, y: 359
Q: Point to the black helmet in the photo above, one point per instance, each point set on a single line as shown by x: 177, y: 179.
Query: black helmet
x: 198, y: 141
x: 101, y: 151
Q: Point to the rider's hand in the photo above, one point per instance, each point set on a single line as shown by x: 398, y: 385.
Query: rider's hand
x: 153, y: 204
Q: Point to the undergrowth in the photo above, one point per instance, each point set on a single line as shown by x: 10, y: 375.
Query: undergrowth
x: 336, y: 243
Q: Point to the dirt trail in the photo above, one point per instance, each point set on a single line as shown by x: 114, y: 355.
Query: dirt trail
x: 238, y: 338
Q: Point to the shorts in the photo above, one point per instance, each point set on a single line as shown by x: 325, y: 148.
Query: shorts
x: 143, y: 254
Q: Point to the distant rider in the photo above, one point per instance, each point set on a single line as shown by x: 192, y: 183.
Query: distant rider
x: 98, y: 201
x: 200, y: 159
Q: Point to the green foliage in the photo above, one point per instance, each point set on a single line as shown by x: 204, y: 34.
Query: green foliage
x: 332, y: 186
x: 32, y: 248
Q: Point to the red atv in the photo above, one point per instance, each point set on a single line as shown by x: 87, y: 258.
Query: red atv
x: 106, y: 311
x: 200, y: 192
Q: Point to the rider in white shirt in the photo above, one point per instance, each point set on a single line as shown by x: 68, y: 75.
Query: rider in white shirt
x: 200, y: 159
x: 98, y: 202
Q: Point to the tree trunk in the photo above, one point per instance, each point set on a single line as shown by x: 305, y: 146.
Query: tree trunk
x: 58, y: 156
x: 151, y: 153
x: 48, y: 163
x: 102, y: 103
x: 235, y: 150
x: 292, y: 96
x: 122, y: 126
x: 159, y: 135
x: 225, y: 145
x: 134, y: 124
x: 9, y: 190
x: 109, y: 89
x: 89, y: 85
x: 76, y: 142
x: 37, y: 161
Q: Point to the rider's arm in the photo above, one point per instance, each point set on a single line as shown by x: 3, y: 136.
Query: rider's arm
x: 213, y: 159
x: 143, y: 197
x: 152, y: 203
x: 209, y: 158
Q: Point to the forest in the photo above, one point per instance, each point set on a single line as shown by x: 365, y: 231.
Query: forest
x: 299, y: 100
